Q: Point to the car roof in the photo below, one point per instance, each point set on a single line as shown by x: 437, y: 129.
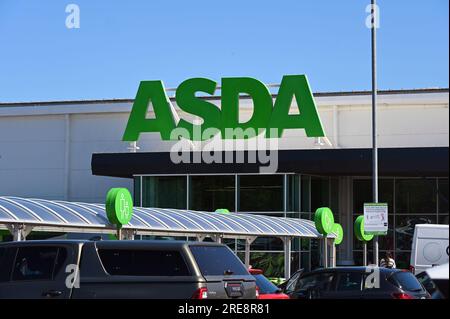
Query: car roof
x: 433, y: 226
x: 354, y: 269
x: 113, y: 243
x: 43, y: 242
x: 438, y: 272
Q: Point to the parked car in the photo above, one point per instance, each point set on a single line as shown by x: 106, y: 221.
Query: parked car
x: 435, y: 281
x: 266, y: 289
x: 122, y: 269
x: 429, y: 247
x: 288, y: 286
x: 355, y: 283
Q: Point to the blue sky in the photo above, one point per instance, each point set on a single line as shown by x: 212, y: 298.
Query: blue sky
x: 121, y: 43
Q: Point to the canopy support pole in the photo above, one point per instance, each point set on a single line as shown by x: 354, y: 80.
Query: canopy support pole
x: 248, y: 242
x: 333, y: 253
x: 19, y: 231
x: 201, y: 237
x: 128, y: 234
x: 365, y: 253
x: 287, y: 257
x: 217, y: 238
x: 325, y: 252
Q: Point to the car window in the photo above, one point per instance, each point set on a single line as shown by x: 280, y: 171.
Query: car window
x: 217, y: 260
x: 37, y: 263
x: 264, y: 285
x: 291, y: 284
x: 129, y: 262
x: 406, y: 281
x: 426, y: 281
x: 308, y: 281
x: 350, y: 281
x: 325, y: 281
x: 6, y: 263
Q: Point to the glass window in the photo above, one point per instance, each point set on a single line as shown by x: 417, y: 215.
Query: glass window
x: 320, y: 193
x: 334, y: 194
x: 404, y: 228
x: 209, y: 193
x: 261, y: 193
x: 272, y: 263
x: 427, y: 283
x: 415, y: 196
x: 293, y: 193
x: 443, y: 196
x: 137, y: 191
x: 267, y: 243
x: 126, y: 262
x: 402, y: 259
x: 406, y: 281
x: 308, y: 281
x: 362, y: 193
x: 217, y: 261
x: 164, y: 192
x: 305, y: 261
x: 305, y: 193
x: 443, y: 219
x: 320, y: 281
x: 350, y: 281
x: 264, y: 285
x: 304, y: 242
x: 315, y: 253
x: 290, y: 287
x: 37, y: 263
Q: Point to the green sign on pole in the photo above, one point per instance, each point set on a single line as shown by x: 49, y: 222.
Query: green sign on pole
x: 324, y: 220
x: 222, y: 211
x: 339, y: 232
x: 360, y: 234
x: 119, y: 206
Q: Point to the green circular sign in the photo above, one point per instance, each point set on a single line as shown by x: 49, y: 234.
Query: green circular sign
x: 222, y: 211
x: 324, y: 220
x: 359, y: 230
x: 339, y: 232
x: 119, y: 206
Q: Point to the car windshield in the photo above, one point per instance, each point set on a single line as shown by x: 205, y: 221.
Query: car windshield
x: 264, y: 285
x: 407, y: 281
x: 217, y: 261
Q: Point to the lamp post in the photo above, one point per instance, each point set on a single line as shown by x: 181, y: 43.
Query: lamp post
x: 374, y: 16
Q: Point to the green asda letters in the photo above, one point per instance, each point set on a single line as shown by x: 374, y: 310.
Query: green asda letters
x: 266, y: 114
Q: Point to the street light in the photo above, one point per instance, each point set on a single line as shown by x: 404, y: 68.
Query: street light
x: 374, y: 16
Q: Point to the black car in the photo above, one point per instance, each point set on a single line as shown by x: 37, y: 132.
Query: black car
x: 355, y: 283
x: 122, y: 269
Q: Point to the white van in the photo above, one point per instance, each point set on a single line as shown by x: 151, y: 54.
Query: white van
x: 429, y: 247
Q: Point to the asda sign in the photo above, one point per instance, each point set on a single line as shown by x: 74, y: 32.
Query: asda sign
x: 269, y: 117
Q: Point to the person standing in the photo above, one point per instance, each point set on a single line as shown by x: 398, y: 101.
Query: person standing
x: 388, y: 261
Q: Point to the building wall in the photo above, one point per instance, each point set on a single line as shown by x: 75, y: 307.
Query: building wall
x: 46, y: 148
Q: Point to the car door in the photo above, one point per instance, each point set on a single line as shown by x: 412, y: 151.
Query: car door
x: 307, y: 286
x: 347, y: 285
x: 38, y: 272
x: 291, y: 284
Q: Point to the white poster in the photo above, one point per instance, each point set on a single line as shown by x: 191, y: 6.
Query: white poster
x: 376, y: 218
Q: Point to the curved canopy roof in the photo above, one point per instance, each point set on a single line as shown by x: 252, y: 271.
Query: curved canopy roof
x: 83, y: 217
